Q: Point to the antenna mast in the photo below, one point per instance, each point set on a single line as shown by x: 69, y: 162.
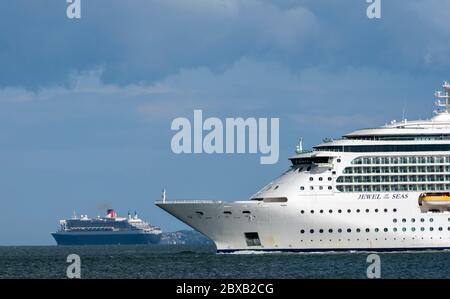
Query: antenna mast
x: 443, y: 98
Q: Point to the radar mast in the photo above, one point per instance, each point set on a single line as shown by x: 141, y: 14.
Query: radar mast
x: 443, y: 101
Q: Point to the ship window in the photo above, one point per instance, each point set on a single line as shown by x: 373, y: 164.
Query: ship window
x: 227, y: 212
x: 330, y: 230
x: 245, y: 212
x: 302, y: 231
x: 320, y: 179
x: 252, y: 239
x: 321, y: 231
x: 302, y: 188
x: 311, y: 178
x: 311, y: 231
x: 275, y: 199
x: 376, y: 229
x: 199, y: 213
x: 339, y: 230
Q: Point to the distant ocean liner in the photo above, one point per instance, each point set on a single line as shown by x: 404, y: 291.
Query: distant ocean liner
x: 107, y: 230
x: 379, y: 189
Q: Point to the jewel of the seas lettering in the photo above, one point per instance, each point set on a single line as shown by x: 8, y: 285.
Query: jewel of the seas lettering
x: 385, y: 196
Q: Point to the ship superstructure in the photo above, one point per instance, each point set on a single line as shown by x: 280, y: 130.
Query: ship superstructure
x: 110, y: 229
x: 385, y: 188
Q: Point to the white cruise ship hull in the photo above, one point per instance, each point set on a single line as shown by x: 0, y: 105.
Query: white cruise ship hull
x: 282, y: 227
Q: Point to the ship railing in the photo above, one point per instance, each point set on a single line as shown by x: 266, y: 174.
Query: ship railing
x: 187, y: 201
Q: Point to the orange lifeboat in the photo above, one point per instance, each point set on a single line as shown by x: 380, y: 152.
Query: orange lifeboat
x: 436, y: 199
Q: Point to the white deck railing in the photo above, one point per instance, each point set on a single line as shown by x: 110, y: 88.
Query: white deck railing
x: 187, y: 201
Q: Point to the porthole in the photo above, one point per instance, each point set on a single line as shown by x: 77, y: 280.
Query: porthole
x: 440, y: 228
x: 311, y: 188
x: 349, y: 211
x: 413, y: 229
x: 349, y: 230
x: 312, y: 211
x: 320, y: 179
x: 385, y: 230
x: 330, y: 231
x: 302, y: 212
x: 367, y: 230
x: 394, y: 229
x: 330, y: 211
x: 422, y: 220
x: 404, y: 229
x: 403, y: 220
x: 367, y: 210
x: 431, y: 229
x: 385, y: 210
x: 358, y: 230
x: 338, y: 160
x: 321, y: 211
x: 395, y: 220
x: 339, y: 230
x: 339, y: 211
x: 311, y: 231
x: 376, y: 210
x: 321, y: 231
x: 302, y: 231
x: 320, y: 187
x: 302, y: 188
x: 376, y: 229
x: 413, y: 220
x: 422, y: 228
x: 329, y: 178
x: 358, y: 210
x: 431, y: 219
x: 311, y: 178
x: 330, y: 188
x: 394, y: 210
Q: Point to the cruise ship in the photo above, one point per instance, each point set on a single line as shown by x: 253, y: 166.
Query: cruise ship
x: 378, y: 189
x: 109, y: 230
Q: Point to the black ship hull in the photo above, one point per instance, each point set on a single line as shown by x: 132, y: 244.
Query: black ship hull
x: 105, y: 239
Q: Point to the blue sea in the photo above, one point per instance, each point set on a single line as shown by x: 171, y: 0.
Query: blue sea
x: 180, y: 261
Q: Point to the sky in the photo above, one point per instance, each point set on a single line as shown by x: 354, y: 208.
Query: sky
x: 86, y: 105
